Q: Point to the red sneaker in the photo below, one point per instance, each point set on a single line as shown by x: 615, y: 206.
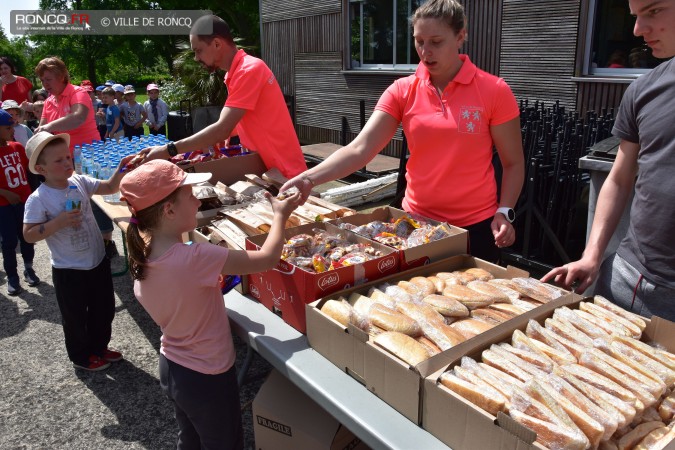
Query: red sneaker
x: 94, y: 364
x: 111, y: 355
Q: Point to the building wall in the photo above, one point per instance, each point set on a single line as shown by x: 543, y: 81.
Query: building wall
x: 532, y: 44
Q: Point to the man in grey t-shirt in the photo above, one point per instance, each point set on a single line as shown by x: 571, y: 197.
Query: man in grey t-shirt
x: 641, y: 275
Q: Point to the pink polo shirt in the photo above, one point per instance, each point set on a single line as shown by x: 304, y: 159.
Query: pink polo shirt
x: 449, y: 173
x: 182, y: 294
x: 59, y: 106
x: 266, y: 127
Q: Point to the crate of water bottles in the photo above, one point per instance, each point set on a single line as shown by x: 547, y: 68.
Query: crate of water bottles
x: 100, y: 159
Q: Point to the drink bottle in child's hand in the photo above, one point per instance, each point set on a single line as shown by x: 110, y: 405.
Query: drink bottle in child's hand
x: 73, y: 199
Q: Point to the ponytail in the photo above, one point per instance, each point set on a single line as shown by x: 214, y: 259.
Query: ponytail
x: 139, y: 235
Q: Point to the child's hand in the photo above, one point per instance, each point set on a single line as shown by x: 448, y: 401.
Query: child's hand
x: 69, y: 219
x: 284, y: 207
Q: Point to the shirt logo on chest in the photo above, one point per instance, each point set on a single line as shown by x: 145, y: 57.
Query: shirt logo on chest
x: 470, y: 119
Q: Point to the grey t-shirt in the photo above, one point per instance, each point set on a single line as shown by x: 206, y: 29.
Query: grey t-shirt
x: 70, y: 248
x: 646, y: 117
x: 131, y: 114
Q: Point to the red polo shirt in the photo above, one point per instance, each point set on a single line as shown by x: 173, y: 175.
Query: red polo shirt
x: 59, y: 106
x: 266, y: 127
x: 449, y: 173
x: 19, y: 91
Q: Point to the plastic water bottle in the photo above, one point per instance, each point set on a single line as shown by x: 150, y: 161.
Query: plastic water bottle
x: 73, y: 199
x: 77, y: 159
x: 79, y: 239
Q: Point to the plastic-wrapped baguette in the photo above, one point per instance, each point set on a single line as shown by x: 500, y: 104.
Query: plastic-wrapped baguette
x: 637, y: 360
x: 432, y: 325
x: 541, y: 362
x: 535, y: 331
x: 589, y: 329
x: 538, y: 392
x: 503, y: 385
x: 632, y: 438
x: 488, y: 399
x: 392, y: 320
x: 522, y: 341
x: 403, y: 346
x: 637, y: 320
x: 448, y: 307
x: 612, y: 318
x: 608, y: 327
x: 594, y: 363
x: 570, y: 397
x: 551, y: 435
x: 660, y: 356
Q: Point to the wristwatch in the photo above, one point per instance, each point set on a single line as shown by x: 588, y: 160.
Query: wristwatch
x: 171, y: 148
x: 509, y: 213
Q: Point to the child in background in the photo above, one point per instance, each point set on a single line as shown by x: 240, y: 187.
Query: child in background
x: 178, y: 285
x: 156, y: 110
x: 100, y: 107
x: 80, y: 270
x: 119, y: 93
x: 21, y: 132
x: 133, y: 114
x: 113, y: 122
x: 37, y: 113
x: 14, y: 191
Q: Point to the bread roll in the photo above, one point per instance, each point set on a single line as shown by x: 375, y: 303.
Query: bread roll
x: 492, y: 317
x: 601, y: 382
x: 468, y: 297
x: 622, y: 411
x: 464, y: 277
x: 667, y: 408
x: 505, y: 377
x: 542, y: 362
x: 521, y: 341
x: 538, y: 392
x: 447, y: 306
x: 550, y: 435
x: 638, y: 360
x: 425, y: 286
x: 381, y: 297
x: 432, y: 324
x: 361, y: 303
x: 660, y: 356
x: 391, y: 320
x: 429, y: 345
x: 536, y: 331
x: 638, y: 433
x: 503, y: 386
x: 612, y: 318
x: 531, y: 369
x: 566, y: 330
x: 651, y: 441
x: 606, y: 304
x: 403, y: 346
x: 568, y: 396
x: 535, y: 289
x: 480, y: 274
x: 339, y: 310
x: 415, y: 292
x: 470, y: 327
x: 595, y: 364
x: 490, y: 290
x: 589, y: 329
x: 608, y: 327
x: 510, y: 293
x: 488, y: 399
x: 508, y: 308
x: 397, y: 293
x: 439, y: 284
x: 498, y: 361
x: 655, y: 386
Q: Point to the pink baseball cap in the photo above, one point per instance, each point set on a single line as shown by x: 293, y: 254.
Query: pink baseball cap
x: 152, y: 87
x: 153, y: 181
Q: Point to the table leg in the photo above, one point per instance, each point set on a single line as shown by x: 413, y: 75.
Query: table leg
x: 125, y: 269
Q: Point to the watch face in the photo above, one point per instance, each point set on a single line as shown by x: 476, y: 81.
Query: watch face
x: 511, y: 215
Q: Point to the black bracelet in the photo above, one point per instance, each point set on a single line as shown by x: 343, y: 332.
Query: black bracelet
x: 171, y: 148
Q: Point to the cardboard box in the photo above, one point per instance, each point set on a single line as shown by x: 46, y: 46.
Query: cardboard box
x: 287, y: 288
x: 285, y: 418
x: 391, y: 379
x: 472, y: 427
x: 230, y: 170
x: 456, y: 244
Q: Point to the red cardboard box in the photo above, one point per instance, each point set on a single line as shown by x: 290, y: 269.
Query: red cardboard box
x: 287, y: 288
x: 455, y: 244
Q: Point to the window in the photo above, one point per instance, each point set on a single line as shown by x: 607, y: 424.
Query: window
x: 380, y: 34
x: 612, y: 49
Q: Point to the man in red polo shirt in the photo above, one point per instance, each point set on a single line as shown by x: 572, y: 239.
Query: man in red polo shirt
x: 255, y: 104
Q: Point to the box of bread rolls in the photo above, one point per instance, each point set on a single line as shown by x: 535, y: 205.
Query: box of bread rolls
x: 584, y: 375
x: 419, y: 240
x: 392, y: 333
x: 303, y: 275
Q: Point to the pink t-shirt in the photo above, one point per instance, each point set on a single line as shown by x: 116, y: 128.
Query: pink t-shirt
x: 266, y: 127
x: 449, y: 173
x: 59, y: 106
x: 182, y: 295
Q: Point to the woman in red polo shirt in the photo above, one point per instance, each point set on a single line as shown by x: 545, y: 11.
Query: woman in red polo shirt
x: 452, y: 114
x: 13, y: 86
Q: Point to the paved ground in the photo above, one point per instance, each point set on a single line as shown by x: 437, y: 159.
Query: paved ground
x: 46, y: 404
